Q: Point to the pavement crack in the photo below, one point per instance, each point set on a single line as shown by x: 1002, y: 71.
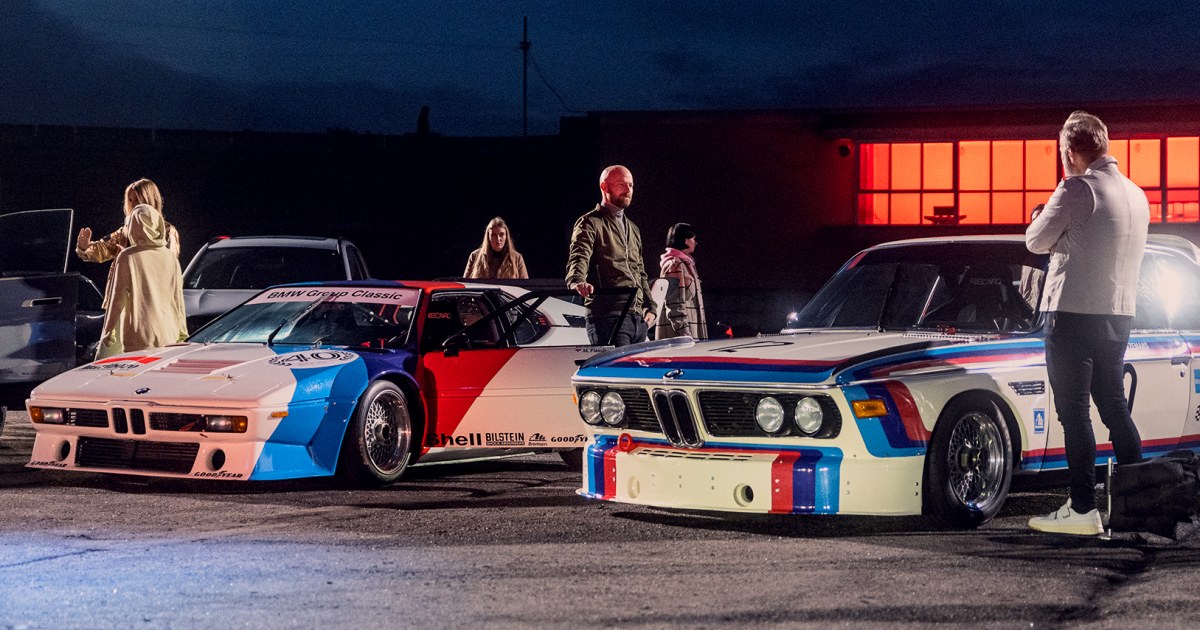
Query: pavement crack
x: 57, y: 556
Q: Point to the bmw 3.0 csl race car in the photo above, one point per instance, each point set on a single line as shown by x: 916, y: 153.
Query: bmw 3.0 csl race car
x: 913, y: 382
x: 364, y: 378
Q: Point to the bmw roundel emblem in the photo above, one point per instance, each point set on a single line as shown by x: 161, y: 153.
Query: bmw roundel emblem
x: 141, y: 390
x: 676, y: 373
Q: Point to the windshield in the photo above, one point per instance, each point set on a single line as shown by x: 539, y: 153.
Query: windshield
x: 261, y: 267
x: 948, y: 287
x: 330, y: 316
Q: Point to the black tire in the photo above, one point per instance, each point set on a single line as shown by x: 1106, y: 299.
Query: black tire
x: 573, y: 459
x: 378, y: 443
x: 968, y: 468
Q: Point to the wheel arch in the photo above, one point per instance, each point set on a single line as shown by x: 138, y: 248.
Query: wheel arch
x: 986, y: 396
x: 416, y: 405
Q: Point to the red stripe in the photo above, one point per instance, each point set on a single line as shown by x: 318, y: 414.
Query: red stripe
x: 641, y: 360
x: 123, y: 359
x: 1047, y: 452
x: 910, y: 415
x: 953, y: 361
x: 610, y: 473
x: 781, y: 483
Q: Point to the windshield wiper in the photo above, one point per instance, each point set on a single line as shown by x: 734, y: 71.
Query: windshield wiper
x: 886, y: 298
x: 297, y: 317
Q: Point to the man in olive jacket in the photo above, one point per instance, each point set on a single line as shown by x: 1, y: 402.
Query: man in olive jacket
x: 606, y: 252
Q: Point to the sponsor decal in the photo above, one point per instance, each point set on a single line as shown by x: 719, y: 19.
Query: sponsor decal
x: 114, y: 367
x: 1039, y: 420
x: 312, y: 358
x: 142, y: 390
x: 578, y: 438
x: 142, y: 360
x: 437, y: 315
x: 476, y: 439
x: 401, y: 297
x: 49, y: 463
x: 537, y: 439
x: 220, y: 474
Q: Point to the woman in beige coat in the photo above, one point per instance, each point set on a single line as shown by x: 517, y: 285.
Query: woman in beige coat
x: 143, y: 299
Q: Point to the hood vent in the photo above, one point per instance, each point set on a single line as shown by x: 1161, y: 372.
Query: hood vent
x: 196, y: 366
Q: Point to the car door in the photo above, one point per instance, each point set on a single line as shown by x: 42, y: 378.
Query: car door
x: 37, y: 295
x: 1179, y: 286
x: 1158, y: 378
x: 489, y: 381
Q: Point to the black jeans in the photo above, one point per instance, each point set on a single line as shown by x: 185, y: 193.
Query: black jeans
x: 1085, y: 357
x: 632, y: 328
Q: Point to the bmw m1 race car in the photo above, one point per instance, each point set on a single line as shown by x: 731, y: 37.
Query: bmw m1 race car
x: 363, y: 378
x: 913, y: 382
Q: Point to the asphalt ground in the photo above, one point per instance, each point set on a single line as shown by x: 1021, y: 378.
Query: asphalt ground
x: 509, y: 544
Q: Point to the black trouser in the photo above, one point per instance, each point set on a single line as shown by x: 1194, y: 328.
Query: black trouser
x: 600, y: 326
x: 1085, y: 356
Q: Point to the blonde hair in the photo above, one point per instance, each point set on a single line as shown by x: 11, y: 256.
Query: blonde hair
x: 143, y: 191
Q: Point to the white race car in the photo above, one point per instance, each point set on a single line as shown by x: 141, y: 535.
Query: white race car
x: 913, y: 382
x: 363, y: 377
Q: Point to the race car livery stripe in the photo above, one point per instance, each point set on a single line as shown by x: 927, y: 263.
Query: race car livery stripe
x: 600, y: 455
x: 1053, y: 458
x: 804, y: 482
x: 727, y: 369
x: 783, y: 483
x: 457, y: 384
x: 1029, y: 352
x: 900, y: 432
x: 328, y: 382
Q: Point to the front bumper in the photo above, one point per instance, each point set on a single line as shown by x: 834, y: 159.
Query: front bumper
x: 746, y: 477
x: 273, y: 447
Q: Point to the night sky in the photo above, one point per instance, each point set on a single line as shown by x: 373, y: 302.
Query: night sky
x: 370, y: 65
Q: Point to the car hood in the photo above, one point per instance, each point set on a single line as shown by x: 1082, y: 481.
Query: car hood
x: 829, y: 357
x: 233, y: 375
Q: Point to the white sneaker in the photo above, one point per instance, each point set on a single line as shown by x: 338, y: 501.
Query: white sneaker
x: 1065, y: 520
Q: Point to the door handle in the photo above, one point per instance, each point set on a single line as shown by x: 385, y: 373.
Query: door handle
x: 49, y: 301
x: 1182, y: 359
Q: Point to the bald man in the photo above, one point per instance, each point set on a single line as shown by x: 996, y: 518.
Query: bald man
x: 606, y: 252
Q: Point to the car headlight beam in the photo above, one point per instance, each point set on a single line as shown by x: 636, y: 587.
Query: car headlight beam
x: 769, y: 414
x: 809, y: 416
x: 589, y: 407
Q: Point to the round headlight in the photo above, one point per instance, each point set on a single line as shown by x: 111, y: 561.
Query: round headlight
x: 769, y: 415
x: 589, y: 407
x: 612, y: 408
x: 809, y: 416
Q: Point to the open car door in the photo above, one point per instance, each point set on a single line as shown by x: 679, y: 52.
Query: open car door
x: 502, y: 377
x: 37, y: 295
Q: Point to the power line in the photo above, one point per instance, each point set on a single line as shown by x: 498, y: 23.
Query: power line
x: 538, y: 69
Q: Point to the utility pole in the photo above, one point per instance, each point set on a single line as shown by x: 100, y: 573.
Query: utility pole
x: 525, y: 79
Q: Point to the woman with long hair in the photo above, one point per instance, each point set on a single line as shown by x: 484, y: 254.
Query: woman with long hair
x: 497, y: 257
x: 143, y: 191
x: 143, y: 298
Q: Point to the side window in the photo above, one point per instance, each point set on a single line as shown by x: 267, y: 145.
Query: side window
x: 448, y: 314
x: 1151, y: 313
x: 1180, y: 282
x: 529, y: 328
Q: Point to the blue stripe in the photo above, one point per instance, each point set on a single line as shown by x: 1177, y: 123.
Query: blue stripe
x: 815, y: 482
x: 883, y: 436
x: 595, y: 463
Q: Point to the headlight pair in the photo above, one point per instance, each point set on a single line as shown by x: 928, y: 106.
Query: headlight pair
x: 770, y: 415
x: 596, y: 409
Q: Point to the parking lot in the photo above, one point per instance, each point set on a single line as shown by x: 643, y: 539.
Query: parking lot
x: 508, y: 543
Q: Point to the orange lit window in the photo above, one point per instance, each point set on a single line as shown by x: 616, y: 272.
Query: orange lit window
x: 992, y: 182
x: 954, y: 183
